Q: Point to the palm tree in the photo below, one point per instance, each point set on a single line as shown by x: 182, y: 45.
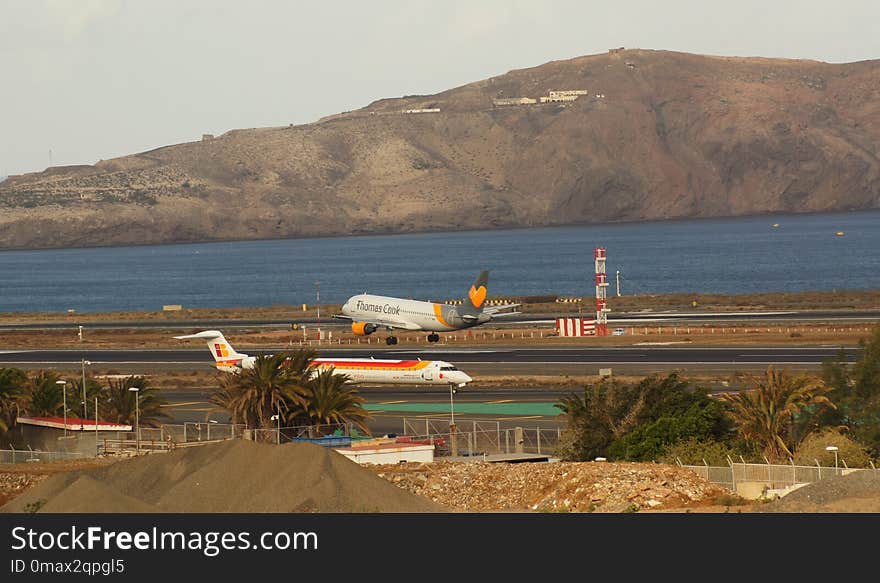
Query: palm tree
x: 93, y: 389
x: 780, y: 404
x: 45, y: 398
x: 12, y: 395
x: 274, y: 386
x: 121, y: 405
x: 330, y: 401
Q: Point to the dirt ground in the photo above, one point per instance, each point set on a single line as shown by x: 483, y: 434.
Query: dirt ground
x: 813, y: 334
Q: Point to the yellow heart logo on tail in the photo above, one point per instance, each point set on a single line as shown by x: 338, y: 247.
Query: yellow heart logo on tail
x: 477, y: 296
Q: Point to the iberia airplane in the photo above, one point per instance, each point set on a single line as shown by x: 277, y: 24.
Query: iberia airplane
x: 368, y: 313
x: 359, y: 370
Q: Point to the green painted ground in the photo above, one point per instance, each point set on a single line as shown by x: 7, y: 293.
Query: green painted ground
x: 544, y: 409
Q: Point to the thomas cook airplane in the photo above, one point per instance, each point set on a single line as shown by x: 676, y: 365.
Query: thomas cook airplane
x: 369, y: 313
x: 359, y: 370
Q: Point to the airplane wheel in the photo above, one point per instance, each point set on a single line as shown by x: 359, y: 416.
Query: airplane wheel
x: 390, y: 340
x: 433, y: 337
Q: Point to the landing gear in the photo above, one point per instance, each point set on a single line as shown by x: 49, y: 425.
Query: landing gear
x: 433, y: 337
x: 391, y: 340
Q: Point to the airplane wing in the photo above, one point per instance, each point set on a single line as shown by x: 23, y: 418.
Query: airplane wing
x: 493, y: 310
x: 383, y: 322
x: 502, y: 314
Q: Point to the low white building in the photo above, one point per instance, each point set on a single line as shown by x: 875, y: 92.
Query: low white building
x: 514, y: 101
x: 388, y: 453
x: 564, y: 95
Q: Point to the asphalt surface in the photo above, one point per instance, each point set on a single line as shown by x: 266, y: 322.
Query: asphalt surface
x: 490, y: 358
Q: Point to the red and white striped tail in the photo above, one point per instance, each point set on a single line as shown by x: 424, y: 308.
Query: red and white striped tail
x: 575, y: 327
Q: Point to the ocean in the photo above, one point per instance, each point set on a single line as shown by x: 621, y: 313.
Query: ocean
x: 728, y: 256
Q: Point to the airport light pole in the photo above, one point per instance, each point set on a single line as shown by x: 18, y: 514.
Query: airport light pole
x: 318, y: 306
x: 85, y: 413
x: 453, y: 438
x: 97, y: 451
x: 451, y: 405
x: 833, y: 448
x: 137, y: 417
x: 278, y: 433
x: 64, y: 397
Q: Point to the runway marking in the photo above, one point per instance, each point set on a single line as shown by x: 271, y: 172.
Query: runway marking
x: 501, y: 401
x: 518, y: 418
x: 186, y: 404
x: 390, y: 402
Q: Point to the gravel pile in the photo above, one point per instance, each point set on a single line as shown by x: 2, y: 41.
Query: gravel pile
x: 855, y: 492
x: 234, y: 476
x: 554, y: 487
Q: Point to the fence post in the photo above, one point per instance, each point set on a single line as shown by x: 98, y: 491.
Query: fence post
x: 507, y: 441
x: 474, y: 431
x: 498, y: 434
x: 538, y: 433
x: 518, y: 438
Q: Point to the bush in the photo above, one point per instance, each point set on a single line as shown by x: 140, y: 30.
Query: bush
x: 812, y: 449
x: 693, y: 451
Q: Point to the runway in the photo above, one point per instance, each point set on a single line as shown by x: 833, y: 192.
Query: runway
x: 489, y: 360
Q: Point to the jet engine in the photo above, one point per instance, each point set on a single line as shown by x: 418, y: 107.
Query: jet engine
x: 247, y: 362
x: 362, y: 328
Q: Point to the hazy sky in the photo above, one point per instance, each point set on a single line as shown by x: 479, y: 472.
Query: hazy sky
x: 94, y: 79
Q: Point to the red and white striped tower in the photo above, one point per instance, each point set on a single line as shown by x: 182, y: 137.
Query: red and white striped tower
x: 601, y: 297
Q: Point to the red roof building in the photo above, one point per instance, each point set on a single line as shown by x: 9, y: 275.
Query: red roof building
x: 73, y: 424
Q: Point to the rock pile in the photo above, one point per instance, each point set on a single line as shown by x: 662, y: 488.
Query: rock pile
x: 13, y: 484
x: 555, y: 487
x: 858, y: 491
x: 233, y: 476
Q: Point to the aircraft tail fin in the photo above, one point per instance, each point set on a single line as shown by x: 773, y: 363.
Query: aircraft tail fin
x: 476, y: 297
x: 221, y: 350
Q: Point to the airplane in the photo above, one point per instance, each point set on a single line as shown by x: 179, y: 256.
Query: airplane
x: 359, y: 370
x: 369, y: 313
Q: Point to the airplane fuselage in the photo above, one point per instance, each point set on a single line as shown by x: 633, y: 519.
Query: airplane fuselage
x: 408, y: 314
x: 395, y: 372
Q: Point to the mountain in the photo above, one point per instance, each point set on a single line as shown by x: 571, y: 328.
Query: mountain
x: 652, y: 135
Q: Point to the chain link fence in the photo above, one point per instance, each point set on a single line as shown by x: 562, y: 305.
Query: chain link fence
x: 478, y: 437
x: 19, y: 456
x: 768, y: 477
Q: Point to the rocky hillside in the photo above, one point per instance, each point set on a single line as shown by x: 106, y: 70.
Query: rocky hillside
x: 652, y: 135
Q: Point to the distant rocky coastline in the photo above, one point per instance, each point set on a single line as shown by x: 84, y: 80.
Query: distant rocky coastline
x: 626, y: 135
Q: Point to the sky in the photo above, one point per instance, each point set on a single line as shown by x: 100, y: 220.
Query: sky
x: 86, y: 80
